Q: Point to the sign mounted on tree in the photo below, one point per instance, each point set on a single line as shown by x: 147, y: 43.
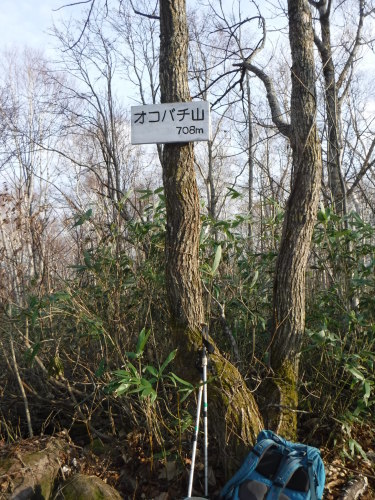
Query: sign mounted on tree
x: 171, y: 122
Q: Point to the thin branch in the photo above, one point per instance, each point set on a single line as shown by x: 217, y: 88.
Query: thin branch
x: 84, y: 26
x: 276, y: 112
x: 149, y: 16
x: 231, y: 87
x: 71, y: 5
x: 367, y: 164
x: 236, y: 25
x: 215, y: 81
x: 356, y: 45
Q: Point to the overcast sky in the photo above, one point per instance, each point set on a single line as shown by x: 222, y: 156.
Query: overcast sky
x: 26, y: 22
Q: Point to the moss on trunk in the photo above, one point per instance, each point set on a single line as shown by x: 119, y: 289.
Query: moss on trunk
x: 281, y: 396
x: 234, y: 418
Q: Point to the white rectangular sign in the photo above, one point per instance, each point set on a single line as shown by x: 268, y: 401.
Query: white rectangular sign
x: 171, y: 122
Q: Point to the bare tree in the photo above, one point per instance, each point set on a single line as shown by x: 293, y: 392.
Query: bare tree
x: 32, y: 124
x: 336, y: 85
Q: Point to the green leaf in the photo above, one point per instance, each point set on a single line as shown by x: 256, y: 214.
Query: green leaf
x: 169, y: 358
x: 87, y: 258
x: 181, y: 381
x: 186, y: 393
x: 233, y: 193
x: 133, y: 369
x: 142, y: 340
x: 151, y: 370
x: 122, y: 388
x: 124, y: 198
x: 146, y: 193
x: 121, y: 373
x: 83, y: 218
x: 132, y: 355
x: 145, y: 382
x: 130, y: 371
x: 101, y: 368
x: 354, y: 447
x: 254, y: 280
x: 31, y: 353
x: 367, y: 391
x: 356, y: 373
x: 217, y: 259
x: 149, y: 391
x: 323, y: 214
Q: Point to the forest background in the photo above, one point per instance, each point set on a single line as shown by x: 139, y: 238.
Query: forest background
x: 85, y: 312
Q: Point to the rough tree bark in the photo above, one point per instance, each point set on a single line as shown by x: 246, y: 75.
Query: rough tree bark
x: 300, y: 215
x: 237, y: 419
x: 332, y: 85
x: 181, y: 191
x: 335, y: 179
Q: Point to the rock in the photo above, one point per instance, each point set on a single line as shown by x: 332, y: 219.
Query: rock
x: 30, y: 468
x: 355, y: 488
x: 163, y: 496
x: 81, y: 487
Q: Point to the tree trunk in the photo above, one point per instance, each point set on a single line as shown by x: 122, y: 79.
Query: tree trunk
x: 335, y: 178
x: 181, y: 191
x: 236, y: 415
x: 250, y: 160
x: 300, y: 217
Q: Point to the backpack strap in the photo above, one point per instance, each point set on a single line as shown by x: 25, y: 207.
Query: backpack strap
x: 249, y: 465
x: 311, y: 479
x: 286, y: 471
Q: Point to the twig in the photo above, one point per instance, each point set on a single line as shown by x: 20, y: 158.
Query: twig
x: 22, y: 389
x: 149, y: 16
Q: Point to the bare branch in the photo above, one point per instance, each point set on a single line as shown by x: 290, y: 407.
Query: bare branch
x: 356, y: 45
x: 231, y: 87
x: 149, y: 16
x: 236, y: 25
x: 84, y: 26
x: 72, y: 5
x: 367, y: 164
x: 215, y: 81
x: 276, y: 112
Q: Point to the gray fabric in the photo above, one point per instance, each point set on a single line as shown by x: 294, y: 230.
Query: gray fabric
x: 255, y: 490
x: 252, y: 490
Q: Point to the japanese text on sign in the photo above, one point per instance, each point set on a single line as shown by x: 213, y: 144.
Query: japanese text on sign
x: 172, y: 122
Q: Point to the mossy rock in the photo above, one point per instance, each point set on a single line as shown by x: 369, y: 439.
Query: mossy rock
x: 81, y: 487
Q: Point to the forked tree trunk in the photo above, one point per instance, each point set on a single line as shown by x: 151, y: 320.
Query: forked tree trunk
x: 236, y: 414
x: 300, y: 217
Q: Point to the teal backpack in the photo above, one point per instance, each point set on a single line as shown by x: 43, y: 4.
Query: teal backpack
x: 277, y: 469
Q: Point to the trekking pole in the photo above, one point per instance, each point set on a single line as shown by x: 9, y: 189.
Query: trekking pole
x: 206, y: 349
x: 206, y: 346
x: 195, y: 439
